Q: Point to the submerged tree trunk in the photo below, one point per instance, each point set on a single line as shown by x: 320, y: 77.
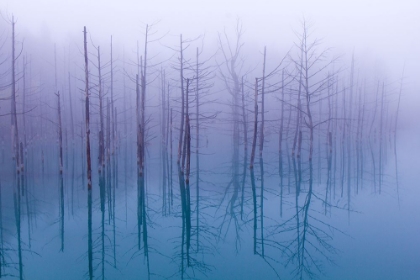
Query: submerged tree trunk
x: 254, y: 138
x: 262, y: 127
x: 87, y: 114
x: 71, y: 112
x: 59, y: 110
x: 298, y: 112
x: 25, y: 142
x: 184, y: 150
x: 101, y: 164
x: 181, y: 72
x: 244, y: 118
x: 14, y: 122
x: 88, y: 159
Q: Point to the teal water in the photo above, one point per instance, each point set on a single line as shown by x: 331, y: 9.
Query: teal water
x: 237, y: 227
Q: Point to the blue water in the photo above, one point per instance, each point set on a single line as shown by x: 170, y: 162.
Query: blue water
x: 367, y: 235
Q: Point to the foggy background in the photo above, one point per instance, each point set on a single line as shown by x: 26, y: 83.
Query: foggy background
x: 384, y: 35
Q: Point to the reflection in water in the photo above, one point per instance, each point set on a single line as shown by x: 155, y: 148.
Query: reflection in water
x: 17, y: 204
x: 203, y: 223
x: 280, y: 211
x: 161, y: 205
x: 146, y: 222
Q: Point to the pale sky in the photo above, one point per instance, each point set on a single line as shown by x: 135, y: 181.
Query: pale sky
x: 383, y: 34
x: 386, y: 29
x: 371, y: 22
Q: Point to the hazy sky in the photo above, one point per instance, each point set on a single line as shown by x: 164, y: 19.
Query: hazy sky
x: 371, y: 22
x: 388, y: 30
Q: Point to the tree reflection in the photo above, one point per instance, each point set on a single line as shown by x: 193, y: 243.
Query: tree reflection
x: 280, y: 211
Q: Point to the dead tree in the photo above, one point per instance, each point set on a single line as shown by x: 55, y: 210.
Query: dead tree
x: 14, y: 122
x: 87, y: 114
x: 101, y: 116
x: 254, y: 138
x: 60, y: 133
x: 142, y: 106
x: 181, y: 73
x: 262, y: 127
x: 88, y: 157
x: 230, y: 72
x: 313, y: 80
x: 71, y: 110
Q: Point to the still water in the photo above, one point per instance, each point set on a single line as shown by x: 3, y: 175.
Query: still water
x: 230, y: 222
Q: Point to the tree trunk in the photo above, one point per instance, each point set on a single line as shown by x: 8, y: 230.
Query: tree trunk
x: 14, y: 122
x: 88, y: 159
x: 60, y: 132
x: 262, y: 107
x: 181, y: 127
x: 101, y: 117
x: 254, y: 139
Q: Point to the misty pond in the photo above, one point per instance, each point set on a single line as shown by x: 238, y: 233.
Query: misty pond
x: 229, y: 223
x: 114, y: 169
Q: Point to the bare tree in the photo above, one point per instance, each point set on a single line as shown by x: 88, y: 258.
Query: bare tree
x: 14, y: 121
x: 88, y: 156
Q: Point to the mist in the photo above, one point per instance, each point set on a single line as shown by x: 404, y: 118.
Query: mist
x: 209, y: 140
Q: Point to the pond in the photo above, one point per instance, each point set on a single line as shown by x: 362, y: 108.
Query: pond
x: 341, y: 216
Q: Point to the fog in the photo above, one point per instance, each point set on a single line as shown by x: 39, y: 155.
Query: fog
x: 209, y: 139
x: 382, y: 34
